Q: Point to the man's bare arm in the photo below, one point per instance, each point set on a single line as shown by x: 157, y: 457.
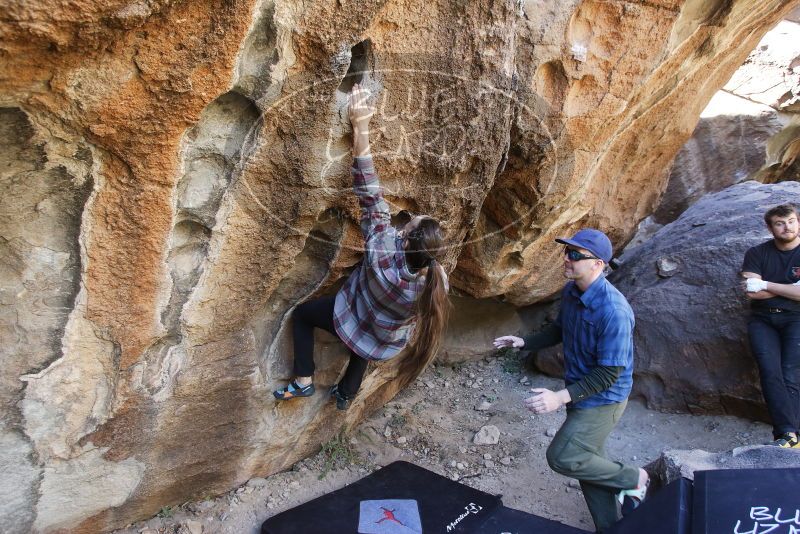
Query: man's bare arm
x: 789, y: 291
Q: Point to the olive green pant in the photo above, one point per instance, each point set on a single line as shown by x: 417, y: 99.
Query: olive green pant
x: 578, y: 451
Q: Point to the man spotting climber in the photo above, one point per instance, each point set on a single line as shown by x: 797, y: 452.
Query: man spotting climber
x: 772, y: 272
x: 595, y: 324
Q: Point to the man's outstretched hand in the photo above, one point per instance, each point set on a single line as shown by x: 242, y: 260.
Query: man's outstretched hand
x: 509, y: 341
x: 546, y: 401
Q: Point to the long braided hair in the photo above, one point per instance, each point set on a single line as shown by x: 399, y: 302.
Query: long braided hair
x: 425, y: 245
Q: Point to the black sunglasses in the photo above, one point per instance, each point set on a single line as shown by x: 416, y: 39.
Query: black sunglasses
x: 574, y: 255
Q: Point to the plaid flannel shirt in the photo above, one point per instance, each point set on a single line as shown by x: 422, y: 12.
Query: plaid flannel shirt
x: 374, y: 311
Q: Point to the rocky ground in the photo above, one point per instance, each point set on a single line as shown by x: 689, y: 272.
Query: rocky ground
x: 466, y: 422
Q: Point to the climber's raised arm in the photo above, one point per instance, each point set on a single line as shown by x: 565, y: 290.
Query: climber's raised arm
x: 360, y: 112
x: 375, y: 215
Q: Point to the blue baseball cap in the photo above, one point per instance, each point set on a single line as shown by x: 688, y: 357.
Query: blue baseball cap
x: 592, y: 240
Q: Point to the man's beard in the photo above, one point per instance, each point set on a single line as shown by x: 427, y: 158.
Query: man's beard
x: 786, y: 237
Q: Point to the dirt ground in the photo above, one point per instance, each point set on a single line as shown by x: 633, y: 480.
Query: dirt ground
x: 433, y: 424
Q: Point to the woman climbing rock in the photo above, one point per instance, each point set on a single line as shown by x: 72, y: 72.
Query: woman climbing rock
x: 396, y: 297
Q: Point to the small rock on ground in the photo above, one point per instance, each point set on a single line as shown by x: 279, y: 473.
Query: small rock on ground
x: 487, y: 435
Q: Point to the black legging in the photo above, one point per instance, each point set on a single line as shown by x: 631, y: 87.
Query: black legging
x: 319, y: 313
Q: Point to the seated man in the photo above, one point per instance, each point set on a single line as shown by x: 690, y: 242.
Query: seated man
x: 595, y: 324
x: 772, y: 270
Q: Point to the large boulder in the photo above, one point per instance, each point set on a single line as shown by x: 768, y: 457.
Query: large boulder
x: 692, y: 353
x: 175, y: 180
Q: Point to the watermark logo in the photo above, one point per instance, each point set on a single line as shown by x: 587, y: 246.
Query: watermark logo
x: 438, y: 139
x: 469, y: 509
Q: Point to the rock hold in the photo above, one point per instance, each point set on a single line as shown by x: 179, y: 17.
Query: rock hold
x: 483, y: 406
x: 487, y: 435
x: 666, y: 267
x: 191, y: 527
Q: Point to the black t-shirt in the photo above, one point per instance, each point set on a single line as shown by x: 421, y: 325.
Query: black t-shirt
x: 780, y: 266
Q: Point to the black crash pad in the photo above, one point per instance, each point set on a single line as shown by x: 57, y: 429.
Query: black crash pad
x: 746, y: 501
x: 399, y: 498
x: 509, y: 521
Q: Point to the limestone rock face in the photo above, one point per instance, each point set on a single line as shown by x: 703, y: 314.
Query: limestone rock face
x: 175, y: 181
x: 692, y: 352
x: 727, y: 147
x: 771, y: 73
x: 749, y: 130
x: 611, y: 141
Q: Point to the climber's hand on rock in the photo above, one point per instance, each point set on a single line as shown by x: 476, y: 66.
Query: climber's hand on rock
x: 359, y: 110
